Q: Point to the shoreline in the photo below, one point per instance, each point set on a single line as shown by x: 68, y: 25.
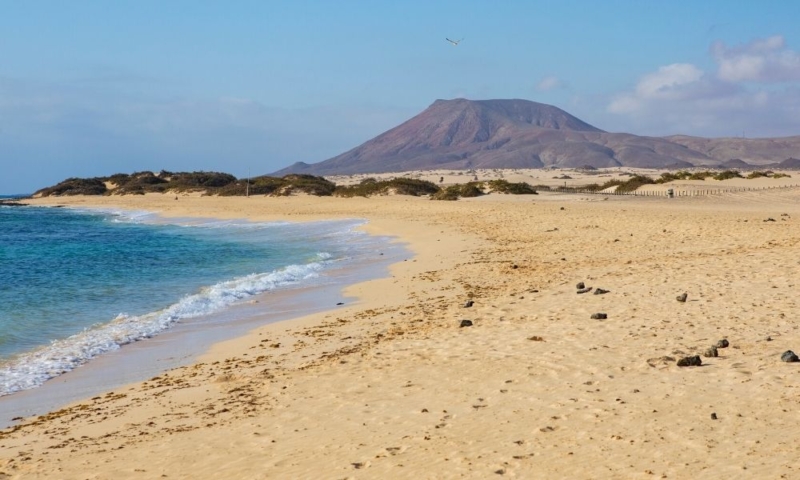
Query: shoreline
x: 392, y: 386
x: 188, y: 340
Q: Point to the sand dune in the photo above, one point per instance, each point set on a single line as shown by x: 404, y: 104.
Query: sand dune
x: 392, y: 387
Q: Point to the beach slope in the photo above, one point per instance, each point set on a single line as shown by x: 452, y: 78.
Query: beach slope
x: 393, y: 386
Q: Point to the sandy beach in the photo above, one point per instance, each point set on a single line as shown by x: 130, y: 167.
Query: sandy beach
x: 392, y: 386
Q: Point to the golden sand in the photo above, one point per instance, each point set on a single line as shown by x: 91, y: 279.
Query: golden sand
x: 391, y: 387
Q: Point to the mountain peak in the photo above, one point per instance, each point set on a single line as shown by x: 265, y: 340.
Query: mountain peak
x: 513, y: 133
x: 515, y: 110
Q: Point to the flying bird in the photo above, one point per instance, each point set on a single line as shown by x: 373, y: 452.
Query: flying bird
x: 454, y: 42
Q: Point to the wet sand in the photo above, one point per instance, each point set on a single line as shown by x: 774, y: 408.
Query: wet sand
x: 392, y: 387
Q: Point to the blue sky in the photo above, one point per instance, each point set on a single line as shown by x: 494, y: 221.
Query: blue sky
x: 92, y: 88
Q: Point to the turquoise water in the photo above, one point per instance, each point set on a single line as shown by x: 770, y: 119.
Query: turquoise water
x: 76, y: 284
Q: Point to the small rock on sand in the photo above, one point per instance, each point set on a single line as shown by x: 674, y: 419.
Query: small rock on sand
x: 584, y: 290
x: 789, y: 356
x: 713, y: 416
x: 465, y: 323
x: 468, y: 303
x: 723, y: 344
x: 600, y: 291
x: 580, y: 285
x: 682, y: 297
x: 599, y: 316
x: 711, y: 352
x: 693, y: 361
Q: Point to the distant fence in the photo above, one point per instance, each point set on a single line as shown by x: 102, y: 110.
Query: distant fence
x: 675, y: 192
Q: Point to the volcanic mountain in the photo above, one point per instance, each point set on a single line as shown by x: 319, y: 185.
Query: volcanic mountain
x: 468, y: 134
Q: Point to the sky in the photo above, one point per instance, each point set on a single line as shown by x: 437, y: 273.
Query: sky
x: 93, y: 88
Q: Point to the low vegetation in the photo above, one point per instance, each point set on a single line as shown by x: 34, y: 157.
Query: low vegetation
x: 684, y: 175
x: 504, y: 186
x: 459, y: 190
x: 767, y: 174
x: 397, y: 186
x: 628, y: 185
x: 283, y: 186
x: 75, y: 186
x: 223, y: 184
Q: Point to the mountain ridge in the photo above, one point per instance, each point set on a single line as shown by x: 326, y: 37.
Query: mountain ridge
x: 464, y: 134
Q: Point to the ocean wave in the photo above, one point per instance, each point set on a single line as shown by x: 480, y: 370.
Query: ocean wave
x: 33, y: 368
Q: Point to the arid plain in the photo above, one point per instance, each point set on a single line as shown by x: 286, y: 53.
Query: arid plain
x: 391, y: 386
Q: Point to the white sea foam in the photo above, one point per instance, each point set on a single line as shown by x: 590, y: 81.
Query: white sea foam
x: 34, y: 368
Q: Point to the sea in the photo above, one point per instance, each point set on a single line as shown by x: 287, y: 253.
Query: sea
x: 77, y: 285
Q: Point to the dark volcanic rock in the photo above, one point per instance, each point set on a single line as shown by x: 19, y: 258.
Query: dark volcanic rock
x: 465, y: 323
x: 599, y: 316
x: 468, y: 303
x: 580, y: 285
x: 723, y: 343
x: 711, y: 352
x: 600, y: 291
x: 682, y: 297
x: 585, y: 290
x: 693, y: 361
x: 789, y: 356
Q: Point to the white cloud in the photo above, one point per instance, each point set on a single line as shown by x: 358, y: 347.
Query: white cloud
x: 550, y: 82
x: 756, y: 87
x: 671, y: 82
x: 762, y: 60
x: 668, y: 81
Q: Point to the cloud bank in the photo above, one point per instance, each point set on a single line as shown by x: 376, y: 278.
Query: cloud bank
x: 754, y: 87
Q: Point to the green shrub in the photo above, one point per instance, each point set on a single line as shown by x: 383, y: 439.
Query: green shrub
x: 701, y: 175
x: 628, y: 185
x: 75, y: 186
x: 635, y: 182
x: 399, y: 186
x: 448, y: 193
x: 503, y: 186
x: 781, y: 175
x: 461, y: 190
x: 669, y: 176
x: 727, y: 174
x: 309, y: 184
x: 592, y: 187
x: 198, y: 180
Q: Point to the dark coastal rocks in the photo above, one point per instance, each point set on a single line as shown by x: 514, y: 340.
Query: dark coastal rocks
x: 693, y: 361
x: 723, y: 343
x: 465, y: 323
x: 584, y: 290
x: 711, y: 352
x: 682, y: 297
x: 789, y: 357
x: 468, y: 303
x: 580, y: 286
x: 599, y: 316
x: 600, y: 291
